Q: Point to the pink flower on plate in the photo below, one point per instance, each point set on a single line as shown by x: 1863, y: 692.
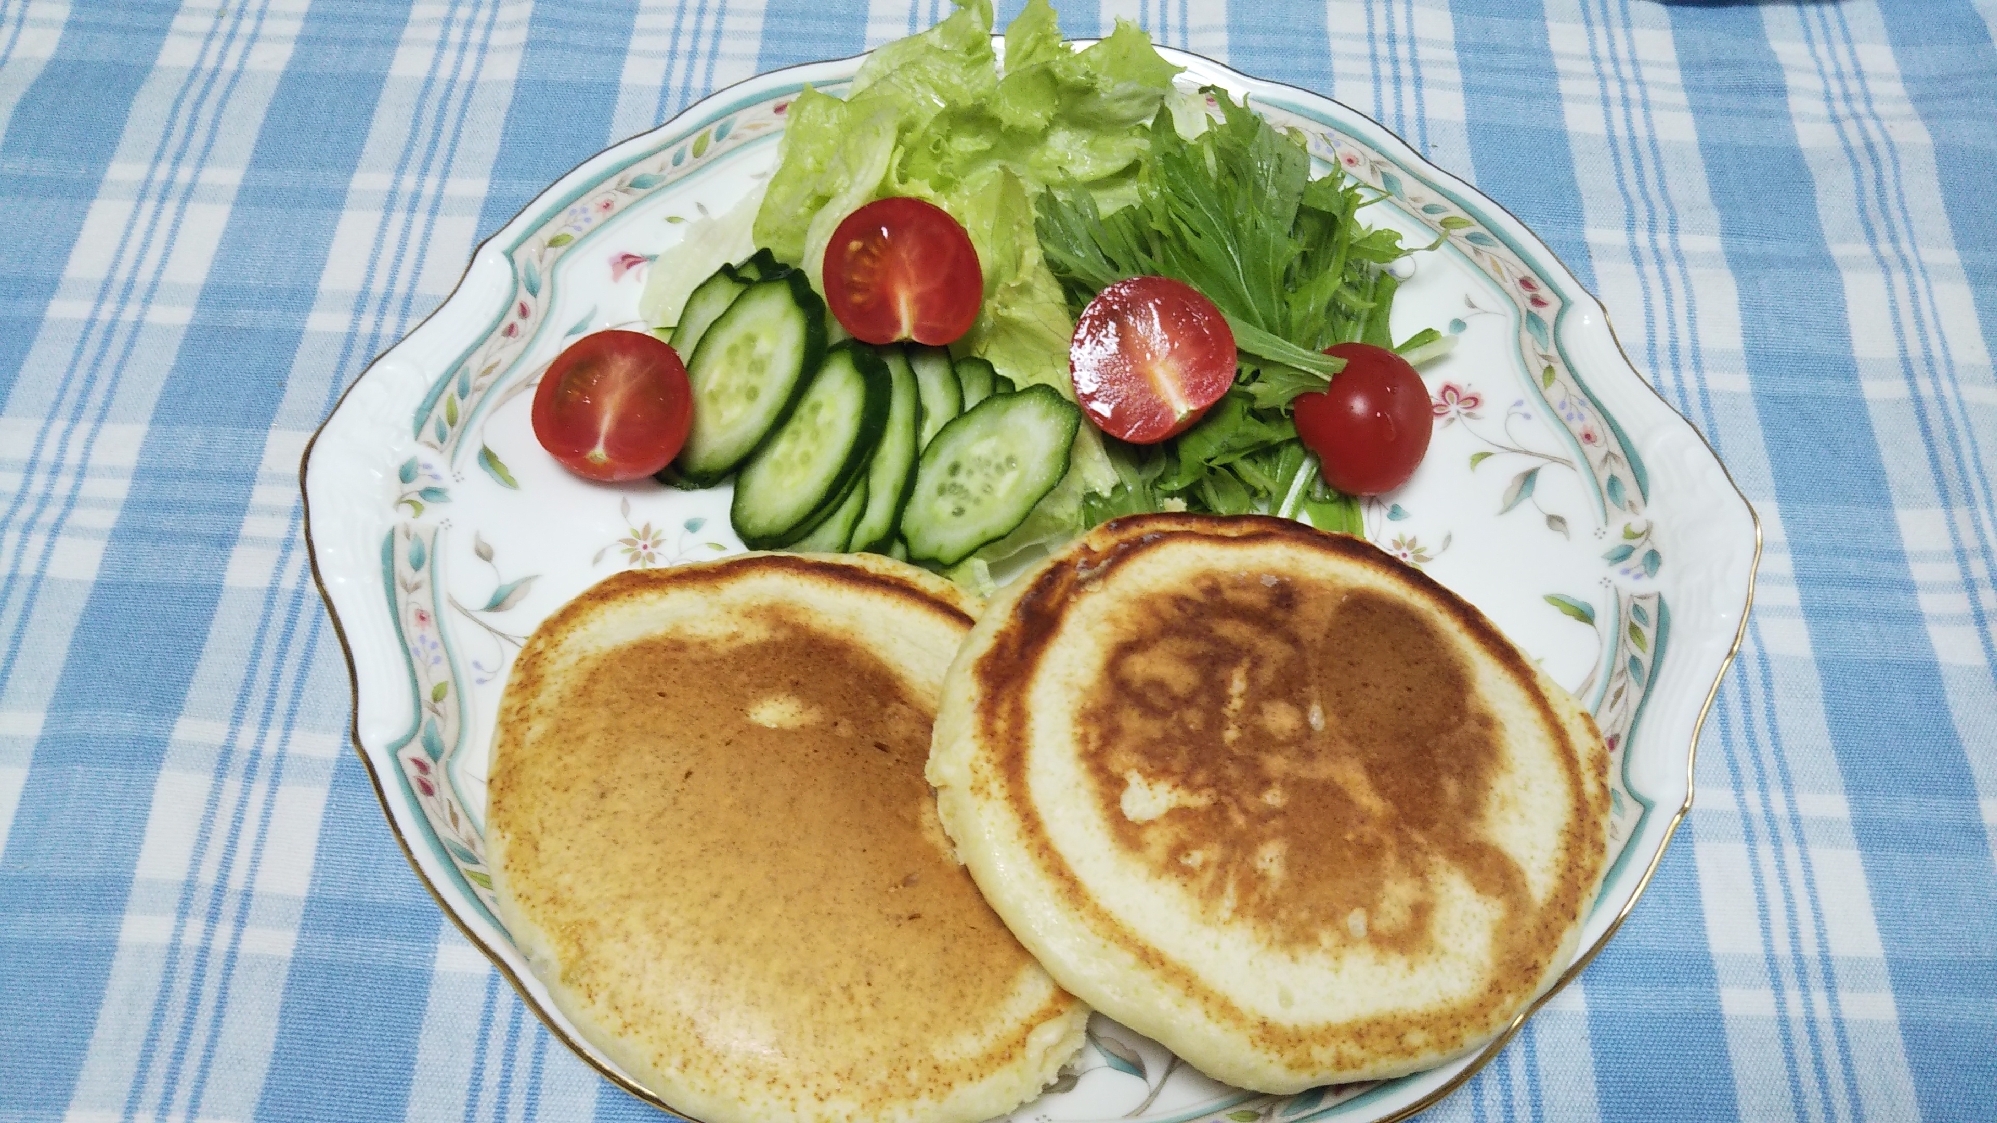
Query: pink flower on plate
x: 1588, y: 434
x: 422, y: 618
x: 626, y: 262
x: 1453, y: 401
x: 1349, y: 159
x: 606, y: 205
x: 424, y: 786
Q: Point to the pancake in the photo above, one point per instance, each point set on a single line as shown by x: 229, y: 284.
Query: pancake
x: 1271, y: 797
x: 710, y: 834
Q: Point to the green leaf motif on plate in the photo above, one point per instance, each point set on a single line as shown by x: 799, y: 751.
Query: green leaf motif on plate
x: 530, y: 277
x: 1392, y: 184
x: 1569, y: 606
x: 700, y: 144
x: 1477, y: 458
x: 1651, y: 561
x: 1434, y: 208
x: 433, y: 742
x: 1636, y: 669
x: 1616, y: 491
x: 1305, y: 1101
x: 417, y: 555
x: 1521, y: 489
x: 1637, y: 613
x: 560, y: 240
x: 407, y: 473
x: 481, y: 880
x: 1546, y: 378
x: 496, y: 468
x: 1620, y: 554
x: 1537, y: 326
x: 647, y: 181
x: 1637, y: 637
x: 435, y: 495
x: 1478, y: 237
x: 438, y: 691
x: 1457, y: 222
x: 509, y: 594
x: 450, y: 410
x: 1244, y: 1116
x: 1121, y: 1057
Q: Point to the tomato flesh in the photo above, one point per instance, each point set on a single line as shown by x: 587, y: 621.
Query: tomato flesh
x: 616, y: 405
x: 1149, y: 355
x: 1370, y: 427
x: 901, y: 269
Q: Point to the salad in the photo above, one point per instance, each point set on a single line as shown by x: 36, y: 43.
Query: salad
x: 980, y: 307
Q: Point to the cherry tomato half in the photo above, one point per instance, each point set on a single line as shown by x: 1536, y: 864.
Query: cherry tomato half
x: 1150, y: 354
x: 615, y: 406
x: 1370, y: 427
x: 903, y: 269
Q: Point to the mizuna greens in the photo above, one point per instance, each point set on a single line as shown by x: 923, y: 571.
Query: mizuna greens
x: 1233, y: 212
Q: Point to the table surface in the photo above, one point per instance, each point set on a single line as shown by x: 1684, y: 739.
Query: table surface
x: 220, y: 211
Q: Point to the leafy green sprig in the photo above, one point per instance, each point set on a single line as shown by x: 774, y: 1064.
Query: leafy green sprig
x: 1234, y: 213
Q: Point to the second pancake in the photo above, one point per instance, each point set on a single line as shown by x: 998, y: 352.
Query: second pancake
x: 1271, y: 797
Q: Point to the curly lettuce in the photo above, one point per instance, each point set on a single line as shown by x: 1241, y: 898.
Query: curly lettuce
x: 936, y: 117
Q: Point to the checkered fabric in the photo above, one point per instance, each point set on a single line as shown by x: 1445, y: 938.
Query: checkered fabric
x: 219, y: 210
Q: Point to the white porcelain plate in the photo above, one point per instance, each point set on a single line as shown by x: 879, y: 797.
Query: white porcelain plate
x: 1560, y: 495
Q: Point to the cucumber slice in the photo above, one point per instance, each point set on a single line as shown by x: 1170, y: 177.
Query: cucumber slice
x: 981, y: 476
x: 704, y: 306
x: 976, y: 378
x: 803, y: 472
x: 747, y: 373
x: 941, y: 398
x: 834, y: 532
x: 1001, y: 384
x: 892, y: 471
x: 762, y: 266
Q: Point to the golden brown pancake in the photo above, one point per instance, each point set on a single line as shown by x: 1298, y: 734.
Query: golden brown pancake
x: 1271, y: 797
x: 711, y: 836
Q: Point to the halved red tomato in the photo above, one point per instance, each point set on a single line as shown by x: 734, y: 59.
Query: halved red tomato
x: 615, y: 405
x: 1150, y: 354
x: 903, y: 269
x: 1370, y: 427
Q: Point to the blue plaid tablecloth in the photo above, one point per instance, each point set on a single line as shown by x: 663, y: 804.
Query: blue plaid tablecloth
x: 216, y: 212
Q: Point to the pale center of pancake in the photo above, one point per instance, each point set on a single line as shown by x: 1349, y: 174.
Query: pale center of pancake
x: 1316, y: 766
x: 742, y: 862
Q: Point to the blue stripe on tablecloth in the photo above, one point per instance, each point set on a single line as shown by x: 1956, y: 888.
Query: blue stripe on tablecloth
x: 1654, y: 237
x: 1654, y: 1012
x: 1945, y: 56
x: 477, y: 1078
x: 210, y: 447
x: 562, y: 100
x: 67, y: 869
x: 1959, y: 472
x: 360, y: 972
x: 1920, y: 836
x: 1518, y: 130
x: 1282, y: 45
x: 57, y: 149
x: 799, y: 31
x: 271, y: 242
